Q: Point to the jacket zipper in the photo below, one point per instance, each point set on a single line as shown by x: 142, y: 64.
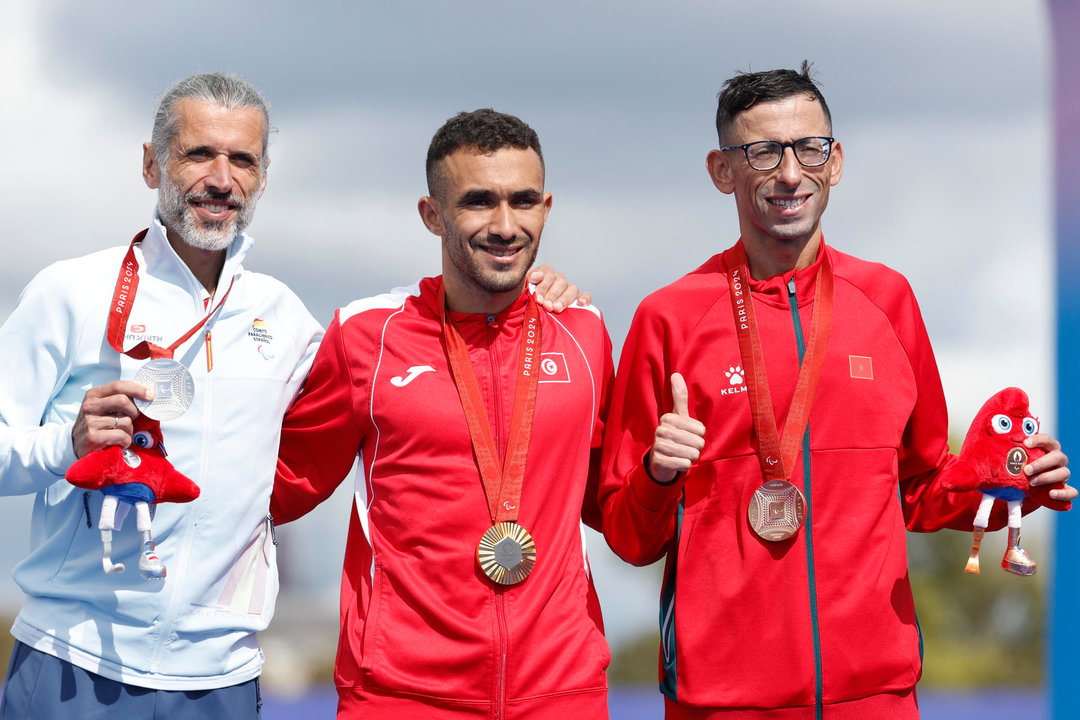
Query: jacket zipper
x: 808, y: 534
x: 177, y: 574
x: 500, y: 601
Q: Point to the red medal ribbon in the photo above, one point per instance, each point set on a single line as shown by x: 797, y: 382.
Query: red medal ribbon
x: 127, y: 283
x: 502, y: 488
x: 777, y: 453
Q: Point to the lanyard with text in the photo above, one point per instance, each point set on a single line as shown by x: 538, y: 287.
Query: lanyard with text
x: 777, y: 508
x: 506, y: 552
x: 127, y: 283
x: 172, y: 382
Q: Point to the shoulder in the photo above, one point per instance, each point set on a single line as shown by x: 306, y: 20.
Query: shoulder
x: 688, y: 299
x: 882, y: 285
x: 378, y: 305
x: 75, y: 279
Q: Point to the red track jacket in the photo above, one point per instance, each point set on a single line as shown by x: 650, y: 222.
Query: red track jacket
x: 827, y: 616
x: 424, y: 633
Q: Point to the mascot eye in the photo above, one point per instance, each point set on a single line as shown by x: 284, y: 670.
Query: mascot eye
x: 143, y: 439
x: 1001, y: 424
x: 1031, y: 426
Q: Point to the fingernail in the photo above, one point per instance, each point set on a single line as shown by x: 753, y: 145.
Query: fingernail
x: 151, y: 393
x: 539, y: 298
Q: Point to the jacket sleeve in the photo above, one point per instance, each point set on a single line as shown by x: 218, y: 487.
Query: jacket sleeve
x: 36, y: 344
x: 590, y: 510
x: 924, y: 458
x: 639, y: 513
x: 320, y: 436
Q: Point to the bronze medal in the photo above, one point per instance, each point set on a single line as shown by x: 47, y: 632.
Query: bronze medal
x: 1015, y: 461
x: 506, y: 553
x: 776, y: 510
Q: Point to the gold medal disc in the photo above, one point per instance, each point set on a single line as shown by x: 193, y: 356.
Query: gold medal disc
x: 506, y: 553
x: 776, y: 510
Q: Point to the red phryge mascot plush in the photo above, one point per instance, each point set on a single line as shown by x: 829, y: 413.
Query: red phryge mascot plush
x: 139, y: 476
x: 992, y: 461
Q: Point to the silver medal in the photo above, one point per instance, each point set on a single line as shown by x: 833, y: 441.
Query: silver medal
x: 173, y: 384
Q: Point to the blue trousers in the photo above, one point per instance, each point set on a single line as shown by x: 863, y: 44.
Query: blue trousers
x: 42, y: 687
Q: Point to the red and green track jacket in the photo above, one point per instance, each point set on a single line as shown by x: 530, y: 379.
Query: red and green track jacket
x: 424, y: 633
x: 825, y: 617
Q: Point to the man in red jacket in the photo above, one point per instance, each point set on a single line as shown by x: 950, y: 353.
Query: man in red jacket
x: 478, y: 417
x: 802, y: 427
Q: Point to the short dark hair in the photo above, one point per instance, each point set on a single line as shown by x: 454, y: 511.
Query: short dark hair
x: 485, y: 130
x: 747, y: 89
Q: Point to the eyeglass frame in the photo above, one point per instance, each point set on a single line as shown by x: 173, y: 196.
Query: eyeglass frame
x: 783, y: 146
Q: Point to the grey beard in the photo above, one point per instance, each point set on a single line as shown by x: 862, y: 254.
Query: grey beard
x: 177, y: 216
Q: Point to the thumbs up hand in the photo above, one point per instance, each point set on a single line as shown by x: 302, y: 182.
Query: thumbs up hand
x: 679, y: 438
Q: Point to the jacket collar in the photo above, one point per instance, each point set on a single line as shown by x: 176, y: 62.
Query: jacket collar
x: 161, y: 261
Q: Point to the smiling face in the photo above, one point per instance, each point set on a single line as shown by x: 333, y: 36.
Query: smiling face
x: 490, y: 210
x: 213, y: 176
x: 779, y: 209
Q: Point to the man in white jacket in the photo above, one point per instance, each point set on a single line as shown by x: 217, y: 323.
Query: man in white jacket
x: 238, y: 345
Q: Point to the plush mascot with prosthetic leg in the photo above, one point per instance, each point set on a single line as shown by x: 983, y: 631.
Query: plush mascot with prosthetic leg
x: 992, y: 461
x: 138, y: 476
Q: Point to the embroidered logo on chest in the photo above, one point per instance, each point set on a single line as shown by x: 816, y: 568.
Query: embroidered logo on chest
x: 260, y: 334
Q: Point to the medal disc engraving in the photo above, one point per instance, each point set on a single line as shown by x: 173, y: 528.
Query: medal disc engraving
x: 776, y: 510
x: 506, y: 553
x: 1015, y: 461
x: 173, y: 384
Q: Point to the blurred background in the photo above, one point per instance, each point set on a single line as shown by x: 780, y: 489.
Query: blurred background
x: 943, y: 109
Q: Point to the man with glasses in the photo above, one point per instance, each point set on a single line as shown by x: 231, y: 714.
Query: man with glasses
x: 802, y: 427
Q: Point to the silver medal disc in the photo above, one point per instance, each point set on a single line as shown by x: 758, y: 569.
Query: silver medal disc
x: 173, y: 384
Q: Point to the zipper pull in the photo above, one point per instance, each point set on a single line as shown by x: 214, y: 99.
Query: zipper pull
x: 791, y: 287
x: 273, y: 532
x: 209, y: 353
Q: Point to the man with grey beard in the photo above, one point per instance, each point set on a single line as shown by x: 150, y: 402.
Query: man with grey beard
x: 170, y: 326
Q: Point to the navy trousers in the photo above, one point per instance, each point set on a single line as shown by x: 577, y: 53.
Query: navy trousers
x: 42, y: 687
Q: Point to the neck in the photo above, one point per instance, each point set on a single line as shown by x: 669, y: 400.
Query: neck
x: 771, y: 257
x: 467, y: 298
x: 205, y: 265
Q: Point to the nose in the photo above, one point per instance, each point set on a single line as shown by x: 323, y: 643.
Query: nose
x: 789, y: 171
x: 219, y: 174
x: 504, y: 222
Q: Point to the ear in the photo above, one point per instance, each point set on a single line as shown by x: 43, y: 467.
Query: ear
x: 720, y: 170
x: 265, y: 174
x: 151, y: 171
x: 836, y: 160
x: 547, y: 205
x: 431, y: 215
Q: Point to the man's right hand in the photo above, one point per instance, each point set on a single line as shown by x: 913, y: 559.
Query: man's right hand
x: 107, y: 415
x: 679, y: 438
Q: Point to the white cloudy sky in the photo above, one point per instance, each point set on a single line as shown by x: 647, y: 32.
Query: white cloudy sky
x: 943, y: 110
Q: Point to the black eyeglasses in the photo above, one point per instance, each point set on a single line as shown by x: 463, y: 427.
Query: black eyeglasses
x: 767, y: 154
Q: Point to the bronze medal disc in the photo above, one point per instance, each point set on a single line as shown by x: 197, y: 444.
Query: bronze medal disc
x: 506, y: 553
x: 776, y: 510
x: 1015, y: 461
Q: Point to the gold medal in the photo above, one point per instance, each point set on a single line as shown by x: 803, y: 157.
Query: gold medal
x: 506, y: 553
x: 776, y: 510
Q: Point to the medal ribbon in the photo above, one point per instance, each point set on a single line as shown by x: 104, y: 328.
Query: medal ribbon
x: 127, y: 283
x: 776, y: 452
x: 502, y: 488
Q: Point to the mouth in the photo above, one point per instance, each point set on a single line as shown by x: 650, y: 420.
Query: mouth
x: 502, y: 254
x: 788, y: 203
x: 213, y: 209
